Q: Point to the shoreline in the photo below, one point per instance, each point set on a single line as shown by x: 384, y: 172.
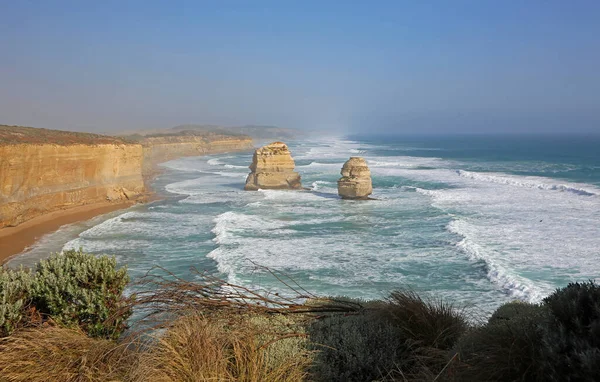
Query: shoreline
x: 14, y: 240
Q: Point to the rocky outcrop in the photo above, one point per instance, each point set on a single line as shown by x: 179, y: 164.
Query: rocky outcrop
x: 273, y: 168
x: 355, y: 182
x: 39, y: 178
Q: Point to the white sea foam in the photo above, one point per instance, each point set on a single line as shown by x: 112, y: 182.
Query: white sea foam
x: 146, y: 225
x: 231, y: 174
x: 290, y: 196
x: 522, y: 231
x: 514, y: 285
x: 210, y: 198
x: 406, y: 162
x: 215, y: 162
x: 186, y: 187
x: 529, y: 182
x: 323, y: 186
x: 230, y: 222
x: 236, y: 167
x: 321, y: 166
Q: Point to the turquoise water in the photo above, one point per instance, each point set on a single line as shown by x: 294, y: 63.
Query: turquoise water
x: 478, y: 220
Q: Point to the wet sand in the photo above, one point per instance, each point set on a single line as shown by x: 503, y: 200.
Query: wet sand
x: 13, y: 240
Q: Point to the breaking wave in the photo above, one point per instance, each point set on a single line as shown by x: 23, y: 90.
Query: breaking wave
x: 527, y: 182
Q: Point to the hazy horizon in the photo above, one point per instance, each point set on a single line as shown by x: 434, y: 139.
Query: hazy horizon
x: 388, y: 68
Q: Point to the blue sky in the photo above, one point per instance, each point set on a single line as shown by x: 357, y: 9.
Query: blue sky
x: 347, y: 66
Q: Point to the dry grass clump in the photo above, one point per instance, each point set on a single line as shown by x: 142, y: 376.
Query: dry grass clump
x: 429, y: 329
x: 194, y: 347
x: 211, y: 348
x: 59, y: 354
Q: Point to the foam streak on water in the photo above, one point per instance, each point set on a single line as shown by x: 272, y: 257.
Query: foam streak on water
x: 475, y: 231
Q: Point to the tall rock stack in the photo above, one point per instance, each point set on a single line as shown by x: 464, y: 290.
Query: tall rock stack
x: 355, y: 182
x: 273, y: 168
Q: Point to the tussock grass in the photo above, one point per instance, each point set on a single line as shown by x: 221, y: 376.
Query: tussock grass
x: 201, y: 348
x: 59, y: 354
x: 427, y: 322
x: 429, y: 329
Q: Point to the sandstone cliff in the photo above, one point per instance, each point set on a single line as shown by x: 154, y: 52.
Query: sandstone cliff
x: 40, y: 178
x: 355, y: 182
x: 47, y: 170
x: 163, y: 148
x: 273, y: 168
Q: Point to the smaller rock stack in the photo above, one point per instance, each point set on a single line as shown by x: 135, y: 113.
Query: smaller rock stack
x: 355, y: 182
x: 273, y: 168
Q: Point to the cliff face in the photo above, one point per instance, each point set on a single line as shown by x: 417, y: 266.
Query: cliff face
x: 45, y: 170
x: 273, y: 168
x: 40, y: 178
x: 165, y: 148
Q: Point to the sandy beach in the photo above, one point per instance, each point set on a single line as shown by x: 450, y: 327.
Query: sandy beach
x: 13, y: 240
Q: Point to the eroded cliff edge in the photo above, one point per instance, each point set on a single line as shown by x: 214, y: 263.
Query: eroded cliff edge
x: 162, y: 148
x: 43, y: 170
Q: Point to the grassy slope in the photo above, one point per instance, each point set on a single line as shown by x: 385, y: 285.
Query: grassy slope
x: 13, y: 135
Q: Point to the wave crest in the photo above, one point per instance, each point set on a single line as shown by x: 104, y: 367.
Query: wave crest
x: 526, y: 182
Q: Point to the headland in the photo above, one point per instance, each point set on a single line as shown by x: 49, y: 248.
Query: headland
x: 49, y: 178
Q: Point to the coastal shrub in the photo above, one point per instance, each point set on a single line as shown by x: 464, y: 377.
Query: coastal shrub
x: 507, y: 348
x: 60, y: 354
x: 512, y: 310
x: 404, y: 336
x: 79, y: 289
x: 359, y: 347
x: 571, y: 337
x: 14, y: 299
x: 200, y: 347
x: 557, y: 340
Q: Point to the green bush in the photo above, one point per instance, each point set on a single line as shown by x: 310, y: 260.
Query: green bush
x: 571, y: 336
x: 74, y: 289
x: 404, y: 336
x: 359, y: 347
x: 14, y: 299
x: 507, y: 348
x: 77, y: 289
x: 513, y: 309
x: 558, y: 340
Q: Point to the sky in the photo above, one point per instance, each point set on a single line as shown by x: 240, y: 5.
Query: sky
x: 436, y: 67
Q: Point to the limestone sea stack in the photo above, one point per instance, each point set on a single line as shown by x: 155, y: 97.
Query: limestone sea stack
x: 355, y: 182
x: 273, y: 168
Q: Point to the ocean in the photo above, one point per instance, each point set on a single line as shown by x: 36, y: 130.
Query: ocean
x: 476, y: 220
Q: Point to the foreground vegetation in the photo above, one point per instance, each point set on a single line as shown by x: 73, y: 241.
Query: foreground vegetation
x: 66, y: 321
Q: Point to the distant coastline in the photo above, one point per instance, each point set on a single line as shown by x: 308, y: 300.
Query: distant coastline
x: 24, y: 223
